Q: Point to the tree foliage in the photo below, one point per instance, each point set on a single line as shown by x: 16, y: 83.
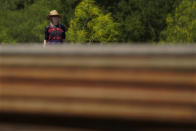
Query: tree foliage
x: 90, y: 24
x: 182, y: 25
x: 141, y: 20
x: 112, y: 20
x: 15, y: 4
x: 26, y: 24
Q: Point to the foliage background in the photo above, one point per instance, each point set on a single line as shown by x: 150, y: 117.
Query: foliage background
x: 23, y: 21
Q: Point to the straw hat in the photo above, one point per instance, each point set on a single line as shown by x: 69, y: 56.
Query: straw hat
x: 53, y: 13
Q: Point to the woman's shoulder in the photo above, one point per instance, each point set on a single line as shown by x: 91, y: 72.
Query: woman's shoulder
x: 62, y: 26
x: 47, y: 27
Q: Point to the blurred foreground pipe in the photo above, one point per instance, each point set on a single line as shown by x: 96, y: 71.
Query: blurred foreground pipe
x: 156, y: 83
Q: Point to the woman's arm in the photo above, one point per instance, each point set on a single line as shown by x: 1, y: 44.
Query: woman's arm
x: 46, y: 36
x: 45, y: 43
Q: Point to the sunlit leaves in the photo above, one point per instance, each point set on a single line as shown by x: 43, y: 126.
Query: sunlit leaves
x: 182, y: 25
x: 90, y: 24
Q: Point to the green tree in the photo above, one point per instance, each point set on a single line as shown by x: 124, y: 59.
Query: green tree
x: 141, y: 20
x: 90, y: 24
x: 15, y: 4
x: 67, y: 10
x: 182, y: 25
x: 27, y: 24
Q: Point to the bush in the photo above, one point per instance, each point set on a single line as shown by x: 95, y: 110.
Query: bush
x: 182, y: 25
x: 90, y: 24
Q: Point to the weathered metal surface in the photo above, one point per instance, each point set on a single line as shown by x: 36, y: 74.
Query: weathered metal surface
x: 150, y: 83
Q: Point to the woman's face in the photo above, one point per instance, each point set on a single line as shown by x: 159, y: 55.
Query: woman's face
x: 55, y: 19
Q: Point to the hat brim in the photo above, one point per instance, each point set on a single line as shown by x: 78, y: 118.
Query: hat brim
x: 49, y: 16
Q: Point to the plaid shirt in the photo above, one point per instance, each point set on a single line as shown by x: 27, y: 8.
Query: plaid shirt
x: 55, y: 34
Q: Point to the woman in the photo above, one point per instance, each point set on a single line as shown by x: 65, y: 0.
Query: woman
x: 55, y: 32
